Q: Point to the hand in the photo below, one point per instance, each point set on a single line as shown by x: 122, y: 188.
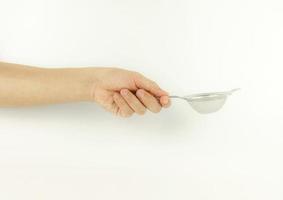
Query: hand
x: 124, y: 92
x: 120, y: 91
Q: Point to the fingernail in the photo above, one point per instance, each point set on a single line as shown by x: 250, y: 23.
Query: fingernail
x: 140, y: 92
x: 165, y: 100
x: 124, y: 92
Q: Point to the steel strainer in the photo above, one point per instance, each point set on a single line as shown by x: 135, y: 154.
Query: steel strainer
x: 207, y: 102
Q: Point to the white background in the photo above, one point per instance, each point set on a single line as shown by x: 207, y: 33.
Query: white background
x: 78, y: 151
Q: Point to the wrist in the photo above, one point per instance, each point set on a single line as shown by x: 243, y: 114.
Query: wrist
x: 86, y: 81
x: 70, y: 84
x: 90, y: 79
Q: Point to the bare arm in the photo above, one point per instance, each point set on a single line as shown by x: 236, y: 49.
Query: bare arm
x: 120, y: 91
x: 24, y: 85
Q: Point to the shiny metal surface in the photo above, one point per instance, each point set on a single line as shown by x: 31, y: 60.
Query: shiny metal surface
x: 207, y: 102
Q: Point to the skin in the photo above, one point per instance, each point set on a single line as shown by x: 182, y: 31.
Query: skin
x: 119, y: 91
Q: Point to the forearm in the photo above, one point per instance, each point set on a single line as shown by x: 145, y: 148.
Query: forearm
x: 24, y: 85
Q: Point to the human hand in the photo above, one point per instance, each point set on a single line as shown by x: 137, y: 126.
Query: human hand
x: 120, y: 91
x: 124, y: 92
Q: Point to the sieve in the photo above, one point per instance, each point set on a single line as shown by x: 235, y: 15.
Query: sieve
x: 205, y: 103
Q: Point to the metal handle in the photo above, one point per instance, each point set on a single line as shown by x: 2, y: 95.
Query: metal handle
x: 174, y: 97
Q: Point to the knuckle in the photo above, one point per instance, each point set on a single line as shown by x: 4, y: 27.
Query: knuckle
x: 122, y: 114
x: 125, y: 115
x: 156, y: 109
x: 141, y: 111
x: 129, y: 113
x: 116, y: 112
x: 126, y: 112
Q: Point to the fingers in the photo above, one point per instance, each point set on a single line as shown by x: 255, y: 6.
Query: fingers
x: 165, y: 101
x: 149, y: 101
x: 133, y: 101
x: 149, y: 85
x: 130, y: 103
x: 124, y: 109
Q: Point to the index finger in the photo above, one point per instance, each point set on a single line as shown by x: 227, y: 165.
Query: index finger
x: 149, y: 85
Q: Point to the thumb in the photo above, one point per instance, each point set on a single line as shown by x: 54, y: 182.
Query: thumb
x: 149, y: 85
